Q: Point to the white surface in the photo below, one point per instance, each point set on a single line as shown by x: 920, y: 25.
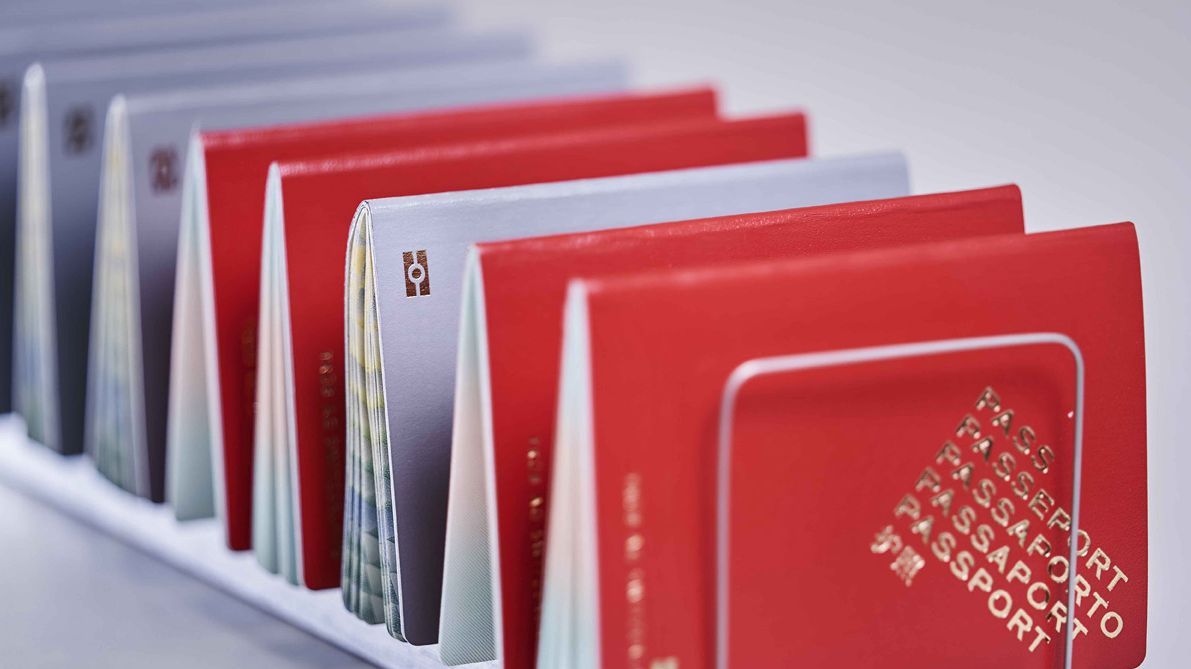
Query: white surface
x: 120, y: 608
x: 72, y: 486
x: 1085, y: 105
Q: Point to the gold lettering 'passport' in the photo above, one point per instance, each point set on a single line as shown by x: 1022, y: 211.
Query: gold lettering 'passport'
x: 942, y: 487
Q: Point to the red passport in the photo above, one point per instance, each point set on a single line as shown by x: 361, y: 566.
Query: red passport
x: 843, y: 481
x: 524, y: 288
x: 315, y: 202
x: 233, y: 167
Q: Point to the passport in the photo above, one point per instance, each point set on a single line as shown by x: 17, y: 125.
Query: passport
x: 141, y: 206
x: 210, y: 421
x: 509, y: 352
x: 300, y: 420
x: 412, y: 390
x: 637, y: 481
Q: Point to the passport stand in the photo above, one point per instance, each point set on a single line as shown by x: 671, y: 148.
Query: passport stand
x: 73, y: 486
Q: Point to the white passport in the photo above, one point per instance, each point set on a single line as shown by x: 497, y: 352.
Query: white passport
x: 415, y: 340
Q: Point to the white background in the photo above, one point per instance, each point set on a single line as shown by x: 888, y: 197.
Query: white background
x: 1085, y: 105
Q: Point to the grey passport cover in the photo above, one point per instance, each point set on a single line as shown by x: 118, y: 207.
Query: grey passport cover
x: 163, y: 123
x: 419, y: 335
x: 77, y: 97
x: 185, y: 22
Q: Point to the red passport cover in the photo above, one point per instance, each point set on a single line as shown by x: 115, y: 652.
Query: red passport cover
x: 680, y: 336
x: 236, y: 165
x: 525, y: 288
x: 319, y: 199
x: 934, y: 480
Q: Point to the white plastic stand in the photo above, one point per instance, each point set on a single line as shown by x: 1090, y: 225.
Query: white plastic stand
x: 71, y: 485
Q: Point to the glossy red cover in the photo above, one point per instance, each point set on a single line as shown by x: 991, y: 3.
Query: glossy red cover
x: 319, y: 199
x: 525, y: 287
x: 662, y: 349
x: 861, y: 483
x: 236, y: 165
